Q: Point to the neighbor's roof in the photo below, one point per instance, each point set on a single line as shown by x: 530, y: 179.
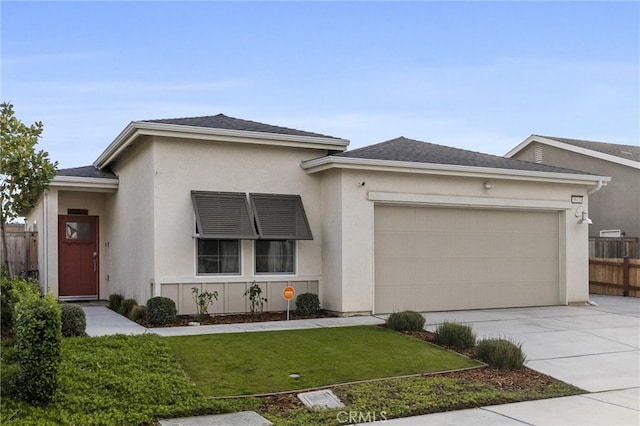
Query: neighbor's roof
x: 629, y: 152
x: 628, y: 155
x: 404, y: 153
x: 220, y: 128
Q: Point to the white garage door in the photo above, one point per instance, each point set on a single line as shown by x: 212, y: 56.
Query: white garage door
x: 433, y: 259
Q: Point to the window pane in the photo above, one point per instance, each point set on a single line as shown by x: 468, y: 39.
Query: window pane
x: 78, y: 231
x: 275, y: 256
x: 218, y: 256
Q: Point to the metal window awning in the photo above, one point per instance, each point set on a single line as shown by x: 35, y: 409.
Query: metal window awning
x: 223, y: 215
x: 280, y: 217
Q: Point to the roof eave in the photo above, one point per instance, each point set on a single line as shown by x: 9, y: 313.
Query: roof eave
x: 325, y: 163
x: 138, y: 128
x: 572, y: 148
x: 86, y: 183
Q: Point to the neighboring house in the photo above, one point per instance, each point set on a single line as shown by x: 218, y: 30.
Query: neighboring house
x: 617, y: 205
x: 219, y: 203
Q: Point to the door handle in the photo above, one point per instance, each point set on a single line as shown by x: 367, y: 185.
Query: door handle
x: 95, y: 262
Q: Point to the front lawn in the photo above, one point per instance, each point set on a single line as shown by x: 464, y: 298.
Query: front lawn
x: 133, y: 380
x: 114, y: 380
x: 255, y: 363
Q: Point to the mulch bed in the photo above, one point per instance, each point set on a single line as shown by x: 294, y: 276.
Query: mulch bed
x: 184, y: 320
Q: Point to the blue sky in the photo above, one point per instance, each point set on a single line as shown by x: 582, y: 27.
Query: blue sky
x: 473, y: 75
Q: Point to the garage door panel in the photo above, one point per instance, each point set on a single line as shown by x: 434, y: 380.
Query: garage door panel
x: 443, y: 259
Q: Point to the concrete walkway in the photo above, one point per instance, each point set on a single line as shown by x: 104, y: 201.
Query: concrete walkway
x: 596, y: 348
x: 102, y: 321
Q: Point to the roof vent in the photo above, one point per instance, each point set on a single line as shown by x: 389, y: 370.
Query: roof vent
x: 538, y: 154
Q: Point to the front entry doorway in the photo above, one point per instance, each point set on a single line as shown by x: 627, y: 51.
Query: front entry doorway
x: 78, y: 257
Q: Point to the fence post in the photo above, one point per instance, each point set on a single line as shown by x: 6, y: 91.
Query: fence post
x: 625, y: 277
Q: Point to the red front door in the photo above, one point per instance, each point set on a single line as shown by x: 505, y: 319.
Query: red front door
x: 78, y: 257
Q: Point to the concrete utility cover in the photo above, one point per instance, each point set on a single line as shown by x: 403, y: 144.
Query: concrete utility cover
x: 243, y: 418
x: 320, y: 399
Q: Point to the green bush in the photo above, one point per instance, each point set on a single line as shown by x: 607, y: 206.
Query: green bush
x: 8, y: 369
x: 126, y: 306
x: 138, y: 313
x: 115, y: 300
x: 11, y: 289
x: 308, y: 304
x: 457, y: 335
x: 74, y: 320
x: 161, y: 310
x: 38, y: 335
x: 501, y: 353
x: 405, y: 321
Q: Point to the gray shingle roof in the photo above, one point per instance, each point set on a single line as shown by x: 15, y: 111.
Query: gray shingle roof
x: 222, y: 121
x: 628, y: 152
x: 410, y: 150
x: 88, y: 172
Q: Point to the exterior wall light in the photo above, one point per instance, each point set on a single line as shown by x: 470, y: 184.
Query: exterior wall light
x: 489, y: 185
x: 582, y: 214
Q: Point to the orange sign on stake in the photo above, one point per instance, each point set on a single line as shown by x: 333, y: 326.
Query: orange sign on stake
x: 288, y: 293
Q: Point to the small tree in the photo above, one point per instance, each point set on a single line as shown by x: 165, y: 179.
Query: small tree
x: 24, y: 172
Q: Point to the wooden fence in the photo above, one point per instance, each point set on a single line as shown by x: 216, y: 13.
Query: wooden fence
x: 617, y: 277
x: 614, y: 247
x: 22, y: 249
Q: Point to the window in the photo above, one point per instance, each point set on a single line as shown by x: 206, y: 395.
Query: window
x: 224, y: 219
x: 78, y: 231
x: 218, y: 256
x: 275, y: 256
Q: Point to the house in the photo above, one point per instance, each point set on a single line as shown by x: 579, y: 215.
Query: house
x: 218, y: 203
x: 615, y: 207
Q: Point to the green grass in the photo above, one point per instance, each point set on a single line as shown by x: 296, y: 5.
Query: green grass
x: 254, y: 363
x: 406, y: 397
x: 133, y: 380
x: 115, y: 380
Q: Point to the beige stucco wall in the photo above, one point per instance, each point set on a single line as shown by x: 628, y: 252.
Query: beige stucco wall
x: 354, y: 225
x: 128, y: 225
x: 181, y: 166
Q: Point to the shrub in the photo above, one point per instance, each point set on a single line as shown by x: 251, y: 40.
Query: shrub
x: 74, y: 320
x: 11, y: 289
x: 38, y: 336
x: 405, y: 321
x: 457, y: 335
x: 161, y: 310
x: 8, y: 369
x: 308, y: 304
x: 501, y: 353
x: 115, y: 300
x: 138, y: 313
x: 203, y: 300
x: 256, y: 301
x: 126, y: 306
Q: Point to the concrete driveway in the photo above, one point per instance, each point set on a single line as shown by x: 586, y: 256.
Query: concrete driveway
x: 596, y: 348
